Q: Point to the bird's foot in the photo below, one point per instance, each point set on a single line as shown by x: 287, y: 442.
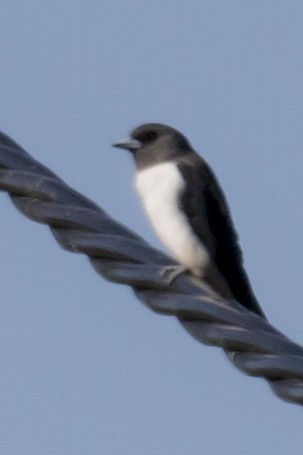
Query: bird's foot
x: 170, y: 272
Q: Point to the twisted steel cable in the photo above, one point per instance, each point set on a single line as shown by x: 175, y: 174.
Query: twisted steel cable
x: 79, y: 225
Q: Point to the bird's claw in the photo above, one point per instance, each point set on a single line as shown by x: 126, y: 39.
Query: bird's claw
x: 170, y: 272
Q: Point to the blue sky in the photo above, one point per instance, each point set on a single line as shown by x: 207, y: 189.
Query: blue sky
x: 86, y: 368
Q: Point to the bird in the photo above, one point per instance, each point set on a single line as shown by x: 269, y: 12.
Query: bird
x: 188, y: 210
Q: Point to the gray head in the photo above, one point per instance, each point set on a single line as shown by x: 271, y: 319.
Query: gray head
x: 155, y: 143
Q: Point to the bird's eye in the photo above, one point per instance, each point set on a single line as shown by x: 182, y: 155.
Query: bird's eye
x: 151, y: 135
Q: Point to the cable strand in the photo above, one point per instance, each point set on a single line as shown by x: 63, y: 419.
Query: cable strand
x: 79, y: 225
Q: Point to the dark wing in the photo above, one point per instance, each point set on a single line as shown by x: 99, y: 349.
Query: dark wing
x: 204, y: 204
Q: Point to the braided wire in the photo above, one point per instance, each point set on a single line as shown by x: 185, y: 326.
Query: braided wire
x: 79, y: 225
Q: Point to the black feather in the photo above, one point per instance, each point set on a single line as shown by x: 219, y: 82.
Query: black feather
x: 206, y: 208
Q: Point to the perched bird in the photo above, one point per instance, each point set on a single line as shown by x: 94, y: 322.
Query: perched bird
x: 188, y: 210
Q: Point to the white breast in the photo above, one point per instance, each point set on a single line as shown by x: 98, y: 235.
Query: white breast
x: 160, y: 187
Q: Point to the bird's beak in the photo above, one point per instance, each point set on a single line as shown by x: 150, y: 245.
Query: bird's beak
x: 128, y: 144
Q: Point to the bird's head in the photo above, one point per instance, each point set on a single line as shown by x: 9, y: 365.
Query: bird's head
x: 154, y: 143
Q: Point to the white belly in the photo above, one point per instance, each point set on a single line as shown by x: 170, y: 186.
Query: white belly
x: 160, y: 187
